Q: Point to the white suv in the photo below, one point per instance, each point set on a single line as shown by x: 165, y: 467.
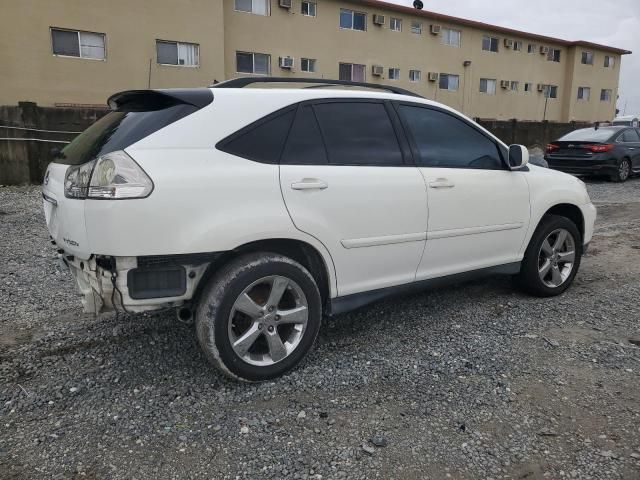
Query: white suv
x: 261, y: 209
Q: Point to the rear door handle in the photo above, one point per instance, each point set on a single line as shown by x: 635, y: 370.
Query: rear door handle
x: 309, y: 184
x: 442, y: 183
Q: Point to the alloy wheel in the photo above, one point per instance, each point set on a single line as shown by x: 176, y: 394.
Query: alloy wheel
x: 556, y: 258
x: 268, y: 320
x: 624, y: 169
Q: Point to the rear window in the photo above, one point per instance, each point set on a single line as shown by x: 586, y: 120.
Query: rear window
x: 589, y: 135
x: 118, y: 130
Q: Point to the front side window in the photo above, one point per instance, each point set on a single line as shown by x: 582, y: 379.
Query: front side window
x: 488, y: 86
x: 442, y: 140
x: 308, y: 64
x: 394, y: 74
x: 73, y: 43
x: 178, y: 53
x: 416, y: 27
x: 451, y: 37
x: 353, y: 20
x: 584, y: 93
x: 449, y: 82
x: 308, y: 9
x: 605, y: 95
x: 489, y: 43
x: 358, y: 133
x: 609, y: 61
x: 352, y: 72
x: 256, y: 63
x: 395, y: 24
x: 415, y: 75
x: 587, y: 58
x: 553, y: 55
x: 257, y: 7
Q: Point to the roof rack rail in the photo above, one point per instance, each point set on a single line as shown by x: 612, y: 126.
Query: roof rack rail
x: 243, y: 82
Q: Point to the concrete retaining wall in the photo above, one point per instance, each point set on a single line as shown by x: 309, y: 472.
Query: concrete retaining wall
x: 29, y: 132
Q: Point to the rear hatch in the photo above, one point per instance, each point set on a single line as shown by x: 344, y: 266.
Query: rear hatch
x: 134, y: 116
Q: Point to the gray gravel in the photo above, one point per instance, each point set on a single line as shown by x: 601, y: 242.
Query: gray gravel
x: 467, y: 382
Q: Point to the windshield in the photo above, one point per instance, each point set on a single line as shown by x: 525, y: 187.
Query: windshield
x: 589, y: 135
x: 117, y: 131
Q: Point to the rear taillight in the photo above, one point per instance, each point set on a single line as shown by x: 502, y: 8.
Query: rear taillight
x: 600, y: 148
x: 552, y: 147
x: 113, y: 176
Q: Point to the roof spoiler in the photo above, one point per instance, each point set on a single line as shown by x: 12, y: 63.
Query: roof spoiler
x: 149, y: 100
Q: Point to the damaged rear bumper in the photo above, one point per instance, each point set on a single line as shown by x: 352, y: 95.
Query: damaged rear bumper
x: 137, y: 284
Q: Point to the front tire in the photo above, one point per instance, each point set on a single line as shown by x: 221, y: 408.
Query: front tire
x: 259, y: 316
x: 552, y: 258
x: 623, y: 172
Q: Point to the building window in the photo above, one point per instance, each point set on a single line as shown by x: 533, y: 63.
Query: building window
x: 308, y: 9
x: 584, y: 93
x: 352, y: 72
x: 353, y: 20
x: 490, y: 44
x: 394, y: 74
x: 532, y: 48
x: 605, y: 95
x: 451, y: 37
x: 395, y: 24
x: 415, y: 75
x: 178, y: 53
x: 73, y: 43
x: 488, y: 86
x: 256, y: 63
x: 308, y: 64
x: 517, y: 46
x: 257, y: 7
x: 553, y: 55
x: 587, y: 58
x: 416, y: 27
x: 551, y: 91
x: 609, y: 61
x: 449, y: 82
x: 515, y: 86
x: 528, y: 87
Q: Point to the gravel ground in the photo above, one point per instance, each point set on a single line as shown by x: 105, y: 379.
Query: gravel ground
x: 467, y: 382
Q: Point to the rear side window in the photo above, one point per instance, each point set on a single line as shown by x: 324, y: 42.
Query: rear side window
x: 305, y: 145
x: 262, y: 141
x: 118, y: 130
x: 358, y: 133
x: 443, y: 140
x: 629, y: 136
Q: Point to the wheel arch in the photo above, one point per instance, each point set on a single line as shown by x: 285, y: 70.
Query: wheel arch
x: 570, y: 211
x: 302, y: 252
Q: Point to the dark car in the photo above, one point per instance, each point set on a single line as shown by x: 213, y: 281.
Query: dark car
x: 612, y: 151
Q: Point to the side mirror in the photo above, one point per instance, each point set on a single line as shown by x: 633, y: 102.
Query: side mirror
x: 518, y: 157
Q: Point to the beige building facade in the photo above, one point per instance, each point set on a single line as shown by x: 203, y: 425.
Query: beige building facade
x: 66, y: 52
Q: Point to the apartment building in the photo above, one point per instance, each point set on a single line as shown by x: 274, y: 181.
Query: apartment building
x: 60, y: 52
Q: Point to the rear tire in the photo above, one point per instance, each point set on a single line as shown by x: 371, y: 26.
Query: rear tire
x: 552, y: 258
x: 259, y: 316
x: 623, y: 172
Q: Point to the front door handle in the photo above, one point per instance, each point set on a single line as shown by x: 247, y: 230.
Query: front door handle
x: 309, y: 184
x: 442, y: 183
